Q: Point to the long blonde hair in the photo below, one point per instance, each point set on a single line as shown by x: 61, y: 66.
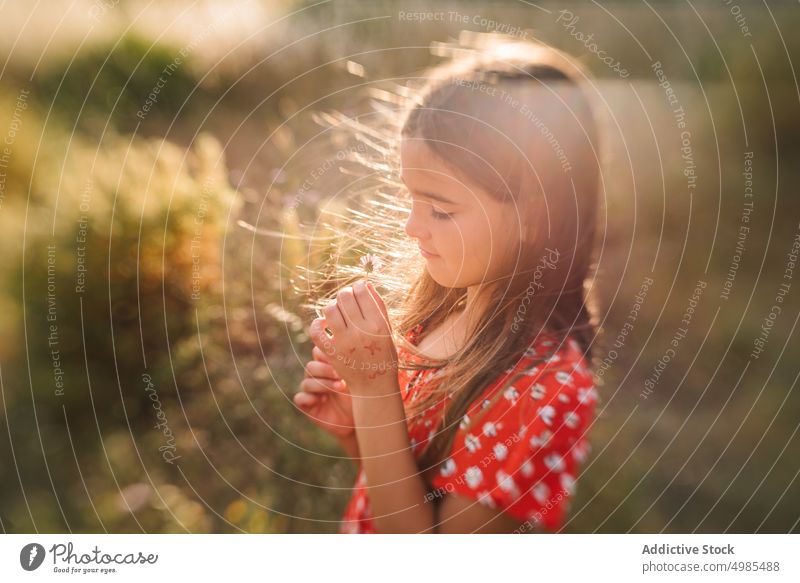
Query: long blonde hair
x: 503, y: 148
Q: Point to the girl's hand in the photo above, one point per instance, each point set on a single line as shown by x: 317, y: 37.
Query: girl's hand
x: 327, y: 404
x: 361, y: 350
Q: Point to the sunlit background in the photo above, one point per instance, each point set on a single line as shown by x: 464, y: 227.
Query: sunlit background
x: 151, y: 341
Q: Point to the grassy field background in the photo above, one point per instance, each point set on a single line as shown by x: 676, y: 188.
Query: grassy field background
x: 150, y: 344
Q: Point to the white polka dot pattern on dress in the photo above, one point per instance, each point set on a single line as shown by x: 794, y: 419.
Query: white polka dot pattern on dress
x: 520, y: 453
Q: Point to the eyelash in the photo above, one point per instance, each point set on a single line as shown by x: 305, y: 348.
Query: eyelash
x: 440, y: 216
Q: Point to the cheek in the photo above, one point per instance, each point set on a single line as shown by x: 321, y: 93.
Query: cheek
x: 470, y: 242
x: 487, y: 246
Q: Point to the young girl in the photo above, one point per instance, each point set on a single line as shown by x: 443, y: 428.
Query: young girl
x: 467, y: 398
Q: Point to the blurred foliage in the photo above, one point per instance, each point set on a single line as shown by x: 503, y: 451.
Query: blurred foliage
x: 110, y: 84
x: 134, y: 218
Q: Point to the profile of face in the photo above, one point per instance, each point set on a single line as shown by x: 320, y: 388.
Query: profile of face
x: 466, y: 236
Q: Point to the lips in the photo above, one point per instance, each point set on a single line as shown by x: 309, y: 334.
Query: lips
x: 427, y: 253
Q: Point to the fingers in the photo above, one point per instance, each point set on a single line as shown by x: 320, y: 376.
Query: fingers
x: 318, y: 354
x: 305, y: 400
x: 321, y: 370
x: 372, y: 304
x: 352, y: 304
x: 378, y: 300
x: 334, y: 316
x: 317, y: 330
x: 349, y: 306
x: 321, y: 386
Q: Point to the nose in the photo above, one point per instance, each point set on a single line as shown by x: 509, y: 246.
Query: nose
x: 415, y: 227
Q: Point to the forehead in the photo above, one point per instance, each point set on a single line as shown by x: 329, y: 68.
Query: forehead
x: 419, y: 161
x: 425, y: 173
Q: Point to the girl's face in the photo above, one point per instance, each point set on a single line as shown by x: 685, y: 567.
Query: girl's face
x: 466, y: 236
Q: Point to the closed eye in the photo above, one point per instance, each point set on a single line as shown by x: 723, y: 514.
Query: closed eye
x: 440, y: 216
x: 436, y: 214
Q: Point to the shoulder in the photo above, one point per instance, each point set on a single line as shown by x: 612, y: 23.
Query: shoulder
x: 550, y: 377
x: 520, y: 447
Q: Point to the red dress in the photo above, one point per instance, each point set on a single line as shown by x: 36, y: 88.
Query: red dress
x: 524, y: 456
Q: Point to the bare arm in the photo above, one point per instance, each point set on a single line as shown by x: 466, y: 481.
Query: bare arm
x: 349, y: 444
x: 396, y: 489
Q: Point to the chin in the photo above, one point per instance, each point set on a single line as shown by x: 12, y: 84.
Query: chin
x: 443, y: 279
x: 438, y: 277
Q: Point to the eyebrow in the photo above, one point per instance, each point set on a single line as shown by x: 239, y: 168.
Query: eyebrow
x: 431, y: 195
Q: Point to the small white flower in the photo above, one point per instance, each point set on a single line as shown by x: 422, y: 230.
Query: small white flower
x: 448, y: 468
x: 489, y: 429
x: 472, y: 442
x: 563, y: 377
x: 547, y: 413
x: 554, y: 358
x: 541, y: 491
x: 568, y: 483
x: 464, y: 422
x: 538, y: 391
x: 586, y: 394
x: 564, y: 398
x: 571, y: 419
x: 473, y: 476
x: 554, y: 462
x: 511, y: 394
x: 500, y: 451
x: 581, y: 451
x: 530, y: 352
x: 526, y: 469
x: 371, y: 263
x: 506, y: 483
x: 541, y: 439
x: 486, y: 403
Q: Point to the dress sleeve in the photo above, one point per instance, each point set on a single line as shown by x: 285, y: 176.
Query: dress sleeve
x: 522, y: 453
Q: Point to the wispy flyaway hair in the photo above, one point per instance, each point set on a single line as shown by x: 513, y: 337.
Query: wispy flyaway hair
x: 516, y: 118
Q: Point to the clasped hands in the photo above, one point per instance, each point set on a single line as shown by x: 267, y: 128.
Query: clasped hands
x: 361, y: 349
